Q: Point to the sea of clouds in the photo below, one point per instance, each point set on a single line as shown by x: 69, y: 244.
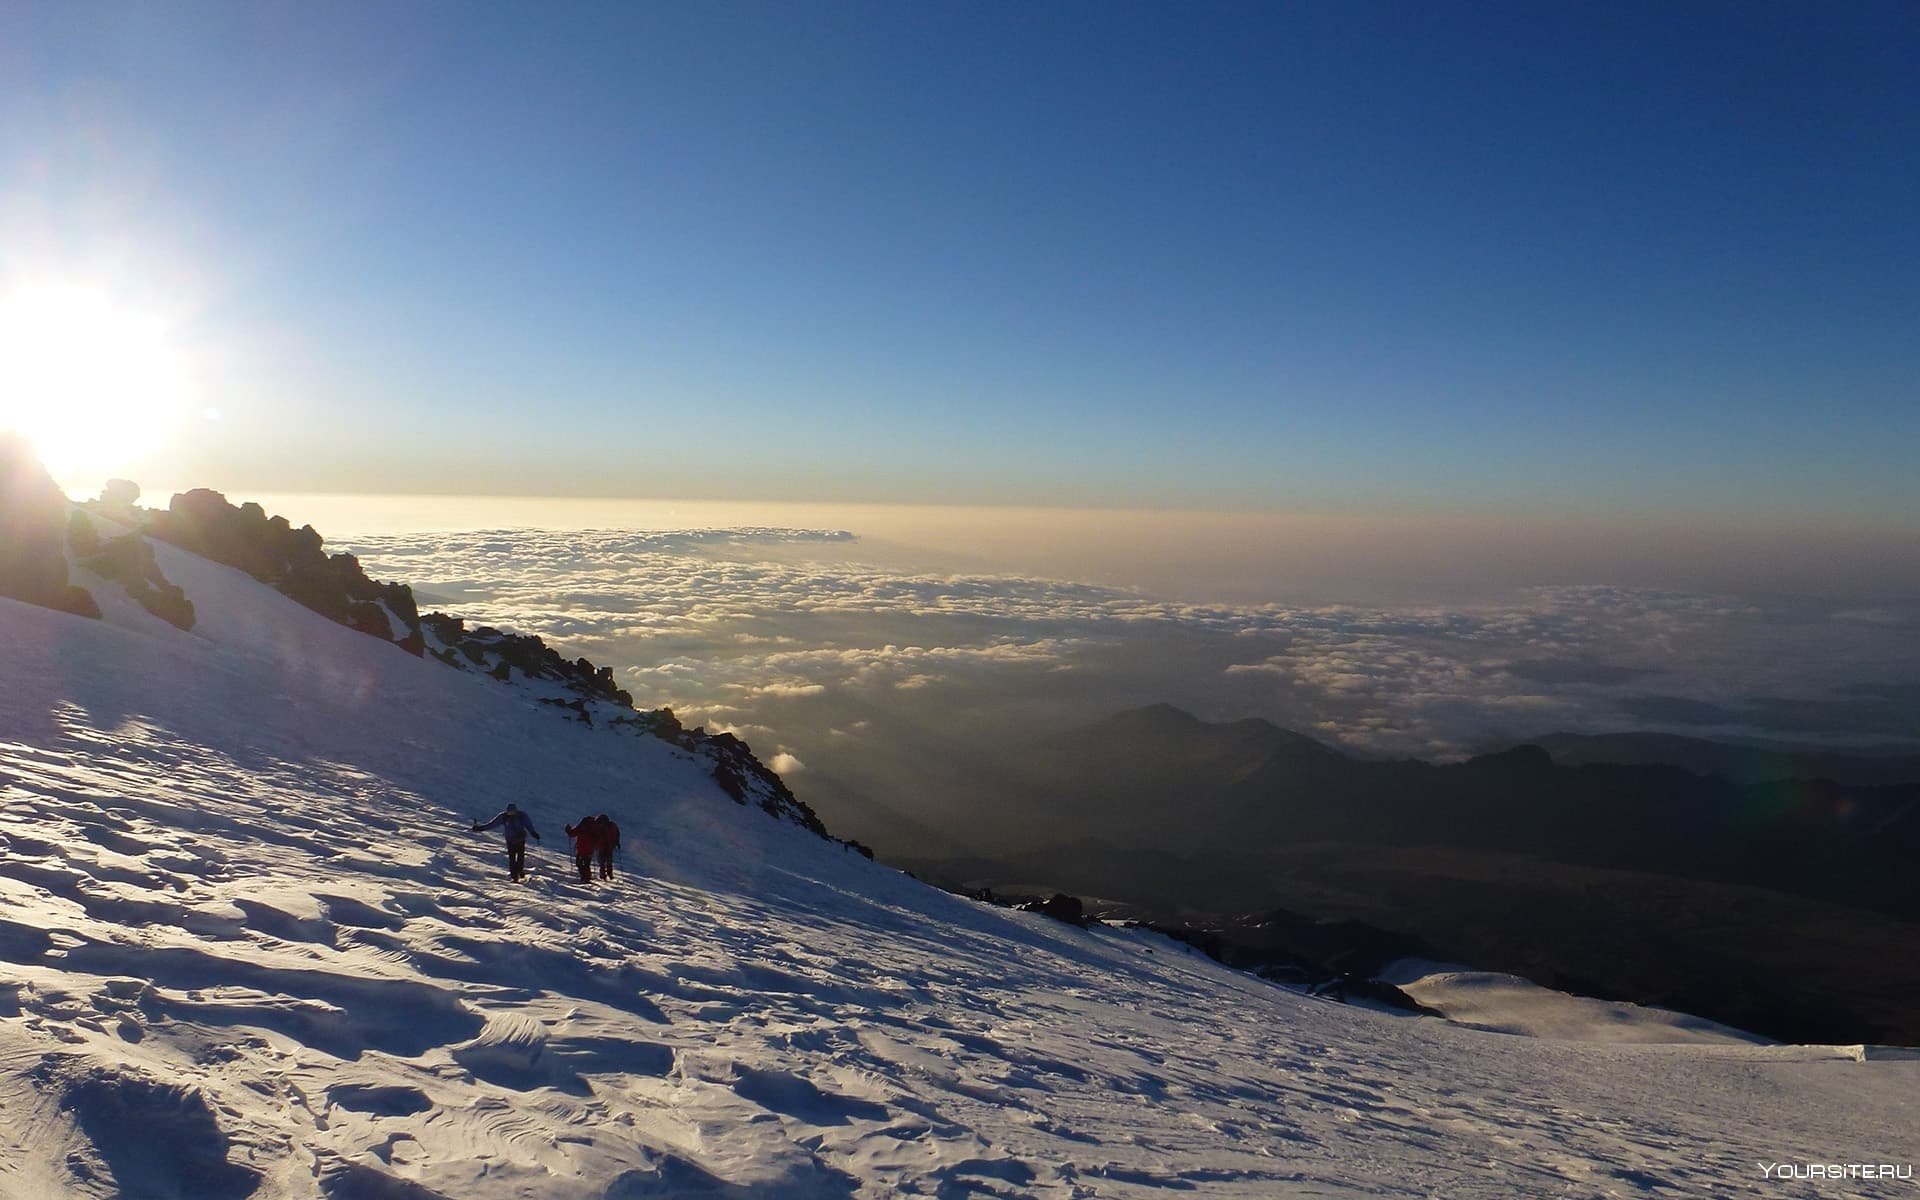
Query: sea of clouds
x: 789, y: 637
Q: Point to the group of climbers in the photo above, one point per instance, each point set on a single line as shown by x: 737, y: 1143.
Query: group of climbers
x: 594, y: 838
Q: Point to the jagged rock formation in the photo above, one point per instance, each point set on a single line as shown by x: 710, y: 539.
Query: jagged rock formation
x: 292, y: 562
x: 748, y: 780
x: 33, y: 535
x: 500, y: 654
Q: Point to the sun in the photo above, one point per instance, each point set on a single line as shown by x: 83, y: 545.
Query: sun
x: 94, y: 384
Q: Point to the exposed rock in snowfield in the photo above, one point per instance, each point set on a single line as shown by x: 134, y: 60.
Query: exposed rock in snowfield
x: 127, y: 559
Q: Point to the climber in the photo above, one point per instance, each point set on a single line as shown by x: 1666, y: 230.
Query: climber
x: 586, y: 844
x: 517, y: 826
x: 609, y: 842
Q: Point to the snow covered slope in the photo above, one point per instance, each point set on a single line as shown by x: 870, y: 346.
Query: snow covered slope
x: 1500, y: 1003
x: 248, y: 947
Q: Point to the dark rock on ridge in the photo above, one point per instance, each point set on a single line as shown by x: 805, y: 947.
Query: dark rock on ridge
x: 747, y: 779
x: 292, y: 561
x: 577, y: 707
x: 503, y: 653
x: 1059, y: 906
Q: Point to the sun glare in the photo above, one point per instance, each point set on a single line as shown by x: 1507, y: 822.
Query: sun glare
x: 93, y: 384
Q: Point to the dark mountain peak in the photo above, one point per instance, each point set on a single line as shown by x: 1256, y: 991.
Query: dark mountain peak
x: 1280, y: 737
x: 1153, y: 715
x: 1162, y: 750
x: 1529, y: 758
x: 1646, y: 738
x: 1746, y: 762
x: 1170, y: 721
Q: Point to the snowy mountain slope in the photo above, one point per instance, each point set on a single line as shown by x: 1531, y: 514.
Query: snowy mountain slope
x: 248, y: 947
x: 1501, y: 1003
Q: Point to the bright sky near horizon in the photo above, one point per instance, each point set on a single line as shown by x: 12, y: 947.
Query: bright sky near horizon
x: 1381, y: 257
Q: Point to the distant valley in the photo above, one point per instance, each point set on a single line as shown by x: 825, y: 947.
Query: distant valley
x: 1767, y: 900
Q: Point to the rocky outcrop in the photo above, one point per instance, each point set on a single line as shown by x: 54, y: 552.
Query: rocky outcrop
x: 747, y: 779
x: 501, y: 654
x: 293, y: 562
x: 1350, y: 987
x: 33, y: 535
x: 660, y: 722
x: 118, y: 501
x: 1059, y: 906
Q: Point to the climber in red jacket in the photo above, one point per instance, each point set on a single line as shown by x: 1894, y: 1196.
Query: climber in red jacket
x: 586, y: 844
x: 609, y: 842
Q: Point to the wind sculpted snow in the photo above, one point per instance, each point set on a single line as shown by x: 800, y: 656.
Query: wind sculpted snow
x: 248, y: 947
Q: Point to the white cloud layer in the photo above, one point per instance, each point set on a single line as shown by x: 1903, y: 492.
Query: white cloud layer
x: 787, y: 631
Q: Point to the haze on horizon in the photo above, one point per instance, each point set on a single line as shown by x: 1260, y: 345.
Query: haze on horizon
x: 1213, y: 557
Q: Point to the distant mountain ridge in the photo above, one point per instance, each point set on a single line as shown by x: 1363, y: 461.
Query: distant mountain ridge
x: 1159, y: 779
x: 1780, y: 906
x: 1245, y: 783
x: 1185, y: 737
x: 1740, y: 763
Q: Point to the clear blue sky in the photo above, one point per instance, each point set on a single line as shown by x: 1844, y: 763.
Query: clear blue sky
x: 1280, y: 256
